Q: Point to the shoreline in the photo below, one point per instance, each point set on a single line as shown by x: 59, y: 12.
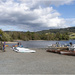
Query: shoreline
x: 16, y: 41
x: 51, y: 40
x: 41, y: 62
x: 10, y: 42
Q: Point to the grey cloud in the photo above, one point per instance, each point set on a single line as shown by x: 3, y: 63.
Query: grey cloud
x: 34, y: 18
x: 47, y: 2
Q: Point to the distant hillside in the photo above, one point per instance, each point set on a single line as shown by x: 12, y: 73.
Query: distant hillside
x: 62, y: 30
x: 51, y: 34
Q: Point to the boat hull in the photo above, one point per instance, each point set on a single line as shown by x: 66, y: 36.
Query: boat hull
x: 67, y: 53
x: 26, y: 50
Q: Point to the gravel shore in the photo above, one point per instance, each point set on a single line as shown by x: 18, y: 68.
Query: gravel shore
x: 41, y: 62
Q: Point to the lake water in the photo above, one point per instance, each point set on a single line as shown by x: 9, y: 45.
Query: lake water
x: 42, y: 44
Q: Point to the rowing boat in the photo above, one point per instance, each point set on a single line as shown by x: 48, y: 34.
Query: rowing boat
x: 67, y: 52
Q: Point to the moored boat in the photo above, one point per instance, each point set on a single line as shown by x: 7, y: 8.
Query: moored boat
x: 51, y: 50
x: 57, y: 49
x: 70, y: 50
x: 67, y: 52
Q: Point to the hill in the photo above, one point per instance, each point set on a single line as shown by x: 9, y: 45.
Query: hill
x: 51, y: 34
x: 61, y: 30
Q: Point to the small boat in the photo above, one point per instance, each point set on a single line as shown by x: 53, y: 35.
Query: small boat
x: 21, y: 49
x: 67, y: 52
x: 51, y: 50
x: 56, y: 49
x: 70, y: 50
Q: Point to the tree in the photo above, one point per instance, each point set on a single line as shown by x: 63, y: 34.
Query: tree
x: 6, y: 37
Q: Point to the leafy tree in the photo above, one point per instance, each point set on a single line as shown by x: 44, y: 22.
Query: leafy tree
x: 6, y: 37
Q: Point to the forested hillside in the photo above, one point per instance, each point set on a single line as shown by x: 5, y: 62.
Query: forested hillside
x: 52, y: 34
x: 37, y: 36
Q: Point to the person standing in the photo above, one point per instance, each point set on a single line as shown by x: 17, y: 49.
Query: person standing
x: 4, y: 47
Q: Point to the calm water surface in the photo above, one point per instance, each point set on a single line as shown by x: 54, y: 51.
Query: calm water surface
x: 41, y: 44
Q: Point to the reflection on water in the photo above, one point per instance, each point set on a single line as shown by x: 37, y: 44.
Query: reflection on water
x: 41, y: 44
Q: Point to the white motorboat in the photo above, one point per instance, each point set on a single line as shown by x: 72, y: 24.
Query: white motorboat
x: 21, y: 49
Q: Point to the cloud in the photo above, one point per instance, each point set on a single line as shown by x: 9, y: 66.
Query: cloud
x: 32, y: 15
x: 70, y: 21
x: 61, y: 2
x: 46, y: 2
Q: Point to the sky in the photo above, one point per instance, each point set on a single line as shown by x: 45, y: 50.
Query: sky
x: 36, y: 15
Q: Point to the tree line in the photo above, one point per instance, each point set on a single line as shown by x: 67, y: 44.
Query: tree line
x: 26, y: 36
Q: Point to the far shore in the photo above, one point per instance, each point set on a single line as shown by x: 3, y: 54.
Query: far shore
x: 10, y: 42
x: 16, y: 41
x: 47, y: 40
